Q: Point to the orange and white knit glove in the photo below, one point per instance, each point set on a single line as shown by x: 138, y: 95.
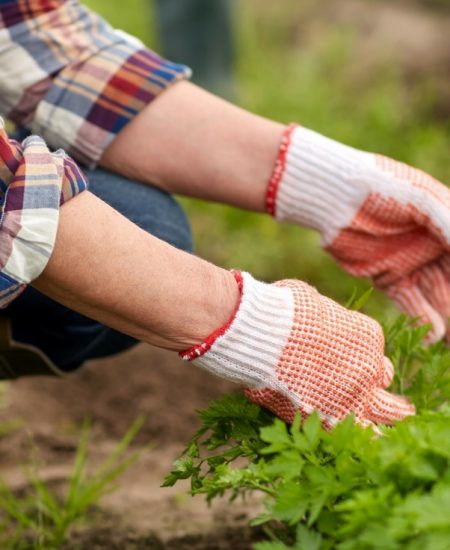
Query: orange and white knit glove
x: 378, y: 217
x: 297, y: 351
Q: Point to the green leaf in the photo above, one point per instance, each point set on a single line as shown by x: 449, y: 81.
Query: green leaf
x: 277, y: 436
x: 287, y: 465
x: 291, y: 503
x: 341, y: 435
x: 356, y: 303
x: 307, y: 539
x: 312, y: 430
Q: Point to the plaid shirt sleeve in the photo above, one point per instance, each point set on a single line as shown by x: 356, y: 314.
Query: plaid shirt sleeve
x: 71, y: 77
x: 33, y: 185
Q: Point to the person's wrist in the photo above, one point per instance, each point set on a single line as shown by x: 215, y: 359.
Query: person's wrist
x: 315, y: 181
x: 247, y: 348
x: 220, y: 302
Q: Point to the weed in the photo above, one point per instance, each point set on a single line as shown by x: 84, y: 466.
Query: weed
x: 43, y: 518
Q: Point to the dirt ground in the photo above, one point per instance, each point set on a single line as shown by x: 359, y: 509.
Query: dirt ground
x: 113, y: 393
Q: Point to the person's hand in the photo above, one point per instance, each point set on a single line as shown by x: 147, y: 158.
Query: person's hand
x: 378, y: 217
x: 297, y: 351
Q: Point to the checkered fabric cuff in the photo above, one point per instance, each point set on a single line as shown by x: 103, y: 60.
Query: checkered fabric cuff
x: 33, y: 185
x: 72, y: 78
x: 90, y: 102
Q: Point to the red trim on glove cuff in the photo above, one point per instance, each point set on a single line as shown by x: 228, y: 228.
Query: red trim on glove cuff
x: 199, y: 349
x: 278, y: 171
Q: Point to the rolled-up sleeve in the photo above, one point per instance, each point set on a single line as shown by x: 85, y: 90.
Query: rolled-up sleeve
x: 72, y: 78
x: 34, y: 183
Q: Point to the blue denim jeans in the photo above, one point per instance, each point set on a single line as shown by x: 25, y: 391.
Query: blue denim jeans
x: 67, y: 337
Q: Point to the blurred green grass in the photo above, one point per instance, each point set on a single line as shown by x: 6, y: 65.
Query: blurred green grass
x: 327, y: 87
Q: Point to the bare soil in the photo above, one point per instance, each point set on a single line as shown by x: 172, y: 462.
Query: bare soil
x: 113, y: 393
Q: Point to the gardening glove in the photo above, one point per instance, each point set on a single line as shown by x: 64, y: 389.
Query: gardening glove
x: 378, y: 217
x: 297, y: 351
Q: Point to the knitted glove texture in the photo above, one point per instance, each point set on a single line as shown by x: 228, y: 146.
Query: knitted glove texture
x: 378, y: 217
x: 297, y: 351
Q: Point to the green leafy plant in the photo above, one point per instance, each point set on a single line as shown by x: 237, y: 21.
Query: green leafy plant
x: 344, y: 489
x: 421, y: 372
x: 44, y: 518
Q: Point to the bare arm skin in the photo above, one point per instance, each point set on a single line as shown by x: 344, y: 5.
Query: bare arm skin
x: 107, y: 268
x: 190, y: 142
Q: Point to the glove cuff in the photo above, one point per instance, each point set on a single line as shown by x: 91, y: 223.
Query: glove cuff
x: 314, y: 182
x: 247, y: 349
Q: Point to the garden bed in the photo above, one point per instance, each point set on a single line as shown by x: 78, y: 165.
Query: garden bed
x: 304, y: 487
x: 113, y: 393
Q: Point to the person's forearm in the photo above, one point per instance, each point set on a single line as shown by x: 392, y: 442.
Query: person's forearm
x: 109, y: 269
x: 191, y: 142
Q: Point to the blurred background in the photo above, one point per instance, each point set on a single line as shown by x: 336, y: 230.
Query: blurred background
x: 371, y: 73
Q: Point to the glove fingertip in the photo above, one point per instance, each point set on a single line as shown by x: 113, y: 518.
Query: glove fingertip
x: 387, y: 408
x: 388, y: 373
x: 365, y: 423
x: 410, y: 299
